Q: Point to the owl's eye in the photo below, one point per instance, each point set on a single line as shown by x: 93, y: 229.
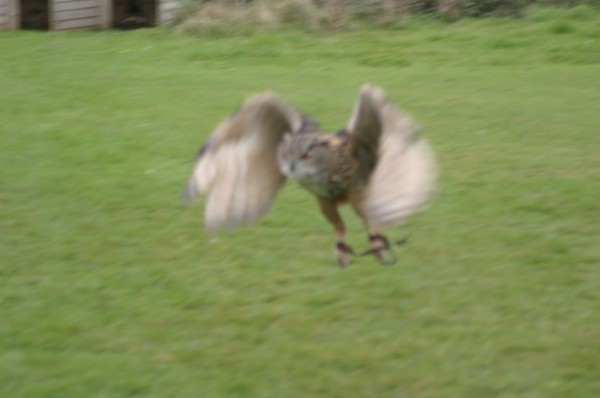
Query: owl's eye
x: 306, y: 156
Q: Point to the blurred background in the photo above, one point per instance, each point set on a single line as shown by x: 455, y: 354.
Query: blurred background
x: 109, y: 286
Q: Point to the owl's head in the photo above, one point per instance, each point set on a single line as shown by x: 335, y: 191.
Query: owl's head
x: 302, y: 155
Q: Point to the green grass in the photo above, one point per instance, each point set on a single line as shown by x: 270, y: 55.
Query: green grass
x: 110, y: 288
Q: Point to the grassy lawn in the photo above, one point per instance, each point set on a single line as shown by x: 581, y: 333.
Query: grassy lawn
x: 110, y: 288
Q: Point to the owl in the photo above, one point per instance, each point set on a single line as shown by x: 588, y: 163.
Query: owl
x: 378, y: 164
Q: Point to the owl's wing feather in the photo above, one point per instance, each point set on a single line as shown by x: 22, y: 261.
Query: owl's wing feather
x: 237, y: 167
x: 403, y: 176
x: 365, y: 128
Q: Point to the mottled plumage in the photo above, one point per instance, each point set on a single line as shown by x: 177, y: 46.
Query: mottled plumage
x: 377, y: 163
x: 330, y: 153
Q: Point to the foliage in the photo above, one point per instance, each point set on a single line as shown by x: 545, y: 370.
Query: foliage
x: 221, y: 19
x: 225, y: 17
x: 109, y: 287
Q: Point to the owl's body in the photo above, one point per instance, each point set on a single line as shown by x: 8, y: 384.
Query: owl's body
x: 378, y: 164
x: 319, y: 163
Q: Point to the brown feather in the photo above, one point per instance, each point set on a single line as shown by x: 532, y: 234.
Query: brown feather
x: 237, y: 167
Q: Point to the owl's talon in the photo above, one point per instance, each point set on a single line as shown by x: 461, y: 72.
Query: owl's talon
x: 341, y: 254
x: 380, y: 247
x: 343, y: 247
x: 381, y: 256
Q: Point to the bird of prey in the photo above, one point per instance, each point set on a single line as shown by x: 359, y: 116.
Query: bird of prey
x: 378, y: 164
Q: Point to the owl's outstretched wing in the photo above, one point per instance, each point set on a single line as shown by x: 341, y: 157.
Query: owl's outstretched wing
x: 399, y: 165
x: 237, y: 167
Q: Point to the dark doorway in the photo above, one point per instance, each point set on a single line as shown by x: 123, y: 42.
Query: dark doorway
x: 134, y: 14
x: 34, y: 14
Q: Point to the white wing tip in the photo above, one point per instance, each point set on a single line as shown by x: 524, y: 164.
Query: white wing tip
x: 190, y: 192
x: 374, y: 92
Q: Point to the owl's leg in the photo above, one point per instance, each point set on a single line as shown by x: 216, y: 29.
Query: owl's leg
x: 341, y: 249
x: 380, y: 245
x: 381, y: 248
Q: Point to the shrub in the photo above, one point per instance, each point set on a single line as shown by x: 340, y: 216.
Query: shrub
x: 227, y: 18
x: 234, y: 17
